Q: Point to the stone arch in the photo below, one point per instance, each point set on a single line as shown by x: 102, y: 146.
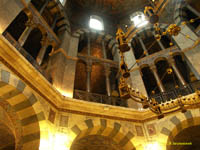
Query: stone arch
x: 104, y: 127
x: 178, y: 53
x: 144, y: 66
x: 101, y: 35
x: 9, y: 119
x: 17, y: 97
x: 159, y: 59
x: 179, y: 17
x: 178, y: 13
x: 150, y: 28
x: 177, y: 123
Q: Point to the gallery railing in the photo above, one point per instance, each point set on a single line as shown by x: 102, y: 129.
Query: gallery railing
x: 177, y: 92
x: 24, y: 53
x: 99, y: 98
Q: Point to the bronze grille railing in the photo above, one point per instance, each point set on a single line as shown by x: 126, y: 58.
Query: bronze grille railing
x: 173, y: 94
x: 99, y: 98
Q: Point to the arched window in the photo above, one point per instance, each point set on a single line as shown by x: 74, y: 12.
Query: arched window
x: 96, y: 23
x: 139, y: 19
x: 62, y: 2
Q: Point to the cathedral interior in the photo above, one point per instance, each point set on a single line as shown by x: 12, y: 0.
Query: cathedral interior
x: 99, y: 75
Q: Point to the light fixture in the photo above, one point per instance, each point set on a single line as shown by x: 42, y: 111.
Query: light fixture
x: 139, y: 19
x: 96, y: 23
x: 126, y: 91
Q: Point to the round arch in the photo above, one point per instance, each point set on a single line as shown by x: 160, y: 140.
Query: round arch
x: 160, y: 59
x: 23, y: 108
x: 144, y: 66
x: 103, y: 127
x: 176, y: 124
x: 100, y: 35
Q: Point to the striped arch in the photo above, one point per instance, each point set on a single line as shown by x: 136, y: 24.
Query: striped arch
x: 178, y: 14
x: 104, y: 127
x: 177, y: 123
x: 24, y: 104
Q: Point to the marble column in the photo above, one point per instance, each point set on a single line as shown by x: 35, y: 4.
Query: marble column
x: 107, y: 70
x: 54, y: 22
x: 104, y: 49
x: 29, y: 27
x: 160, y: 43
x: 88, y: 45
x: 158, y: 80
x: 44, y: 6
x: 108, y: 87
x: 44, y: 45
x: 143, y: 46
x: 191, y: 56
x: 193, y: 10
x: 89, y: 66
x: 178, y: 74
x: 88, y: 80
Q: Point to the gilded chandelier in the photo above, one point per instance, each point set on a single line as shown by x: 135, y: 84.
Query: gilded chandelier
x: 126, y: 92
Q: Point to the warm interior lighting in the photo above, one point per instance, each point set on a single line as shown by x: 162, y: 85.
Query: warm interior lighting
x: 62, y: 141
x: 65, y: 92
x: 139, y: 19
x: 95, y: 23
x: 152, y: 146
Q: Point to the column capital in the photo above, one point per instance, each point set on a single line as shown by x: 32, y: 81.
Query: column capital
x: 107, y: 70
x: 153, y: 67
x: 89, y: 67
x: 30, y: 23
x: 171, y: 60
x: 45, y: 40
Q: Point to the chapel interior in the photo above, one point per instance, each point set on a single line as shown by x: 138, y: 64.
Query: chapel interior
x: 99, y: 75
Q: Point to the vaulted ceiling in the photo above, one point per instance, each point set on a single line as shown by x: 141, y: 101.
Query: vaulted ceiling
x: 112, y: 11
x: 111, y: 7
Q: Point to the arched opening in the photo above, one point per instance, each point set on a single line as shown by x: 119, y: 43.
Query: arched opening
x: 95, y: 142
x: 137, y: 48
x: 189, y: 14
x: 167, y: 76
x: 7, y: 138
x: 108, y: 52
x: 32, y: 44
x: 151, y: 44
x: 187, y: 139
x: 14, y: 119
x: 81, y: 76
x: 46, y: 56
x: 98, y: 84
x: 96, y: 23
x: 184, y: 69
x: 149, y: 81
x: 165, y: 40
x: 17, y: 27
